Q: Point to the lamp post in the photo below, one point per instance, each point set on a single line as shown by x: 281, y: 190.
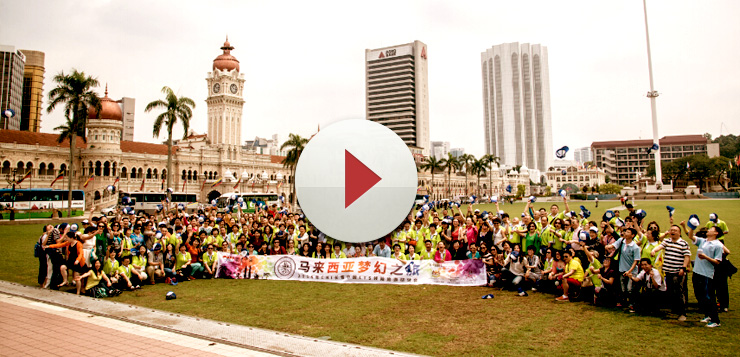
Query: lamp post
x: 653, y: 94
x: 12, y: 182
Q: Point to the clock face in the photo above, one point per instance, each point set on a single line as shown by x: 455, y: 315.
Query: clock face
x: 234, y: 88
x: 216, y: 88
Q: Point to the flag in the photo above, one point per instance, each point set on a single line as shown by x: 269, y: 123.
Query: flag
x: 59, y: 177
x: 183, y: 185
x: 218, y: 182
x: 737, y: 161
x: 253, y: 181
x: 27, y: 175
x: 162, y: 188
x: 203, y: 185
x: 143, y: 180
x: 237, y: 183
x: 279, y: 184
x: 92, y: 177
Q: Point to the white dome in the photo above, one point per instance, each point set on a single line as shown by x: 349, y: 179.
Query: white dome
x: 245, y: 175
x: 279, y: 176
x: 523, y: 169
x: 264, y: 175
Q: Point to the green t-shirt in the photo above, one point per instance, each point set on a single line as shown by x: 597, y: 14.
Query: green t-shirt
x: 182, y: 259
x: 532, y: 240
x: 595, y: 278
x: 209, y: 260
x: 557, y: 243
x: 110, y: 267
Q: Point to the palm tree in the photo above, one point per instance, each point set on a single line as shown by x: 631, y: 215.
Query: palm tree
x: 465, y: 160
x: 431, y: 164
x: 75, y: 91
x: 450, y: 163
x: 490, y: 160
x: 478, y: 167
x: 175, y: 108
x: 296, y: 143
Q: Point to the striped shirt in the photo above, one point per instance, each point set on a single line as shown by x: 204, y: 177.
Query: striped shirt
x: 674, y: 254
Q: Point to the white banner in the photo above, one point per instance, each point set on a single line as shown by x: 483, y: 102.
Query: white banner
x: 370, y: 270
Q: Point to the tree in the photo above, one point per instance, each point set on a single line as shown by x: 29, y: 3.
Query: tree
x: 610, y: 188
x: 296, y: 143
x: 478, y: 168
x: 450, y: 164
x: 175, y: 108
x: 465, y: 161
x: 520, y: 190
x: 721, y: 167
x: 729, y: 145
x: 585, y: 188
x: 548, y: 191
x: 75, y: 91
x: 490, y: 160
x: 431, y: 164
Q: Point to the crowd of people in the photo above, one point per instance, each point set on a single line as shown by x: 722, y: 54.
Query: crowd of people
x: 616, y: 261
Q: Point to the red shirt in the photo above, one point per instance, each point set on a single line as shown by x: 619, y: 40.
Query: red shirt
x: 279, y: 251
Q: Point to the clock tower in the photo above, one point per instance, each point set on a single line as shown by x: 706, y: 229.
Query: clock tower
x: 225, y: 102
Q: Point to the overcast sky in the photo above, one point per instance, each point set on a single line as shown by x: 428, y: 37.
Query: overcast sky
x: 304, y: 60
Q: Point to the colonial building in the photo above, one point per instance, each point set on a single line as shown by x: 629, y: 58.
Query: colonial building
x: 575, y: 175
x: 199, y: 161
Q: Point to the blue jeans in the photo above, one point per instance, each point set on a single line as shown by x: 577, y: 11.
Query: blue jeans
x: 704, y: 292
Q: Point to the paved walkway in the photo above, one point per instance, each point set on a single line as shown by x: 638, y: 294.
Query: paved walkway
x: 38, y: 322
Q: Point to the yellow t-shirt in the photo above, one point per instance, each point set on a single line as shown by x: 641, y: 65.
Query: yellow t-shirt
x: 575, y: 265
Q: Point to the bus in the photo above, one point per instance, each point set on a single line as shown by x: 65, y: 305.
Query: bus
x: 41, y: 202
x: 252, y: 199
x: 150, y: 202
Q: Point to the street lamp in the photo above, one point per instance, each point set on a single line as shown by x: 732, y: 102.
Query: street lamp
x: 12, y: 182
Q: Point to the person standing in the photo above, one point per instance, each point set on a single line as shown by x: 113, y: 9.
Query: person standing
x: 708, y: 256
x: 629, y: 256
x: 675, y: 263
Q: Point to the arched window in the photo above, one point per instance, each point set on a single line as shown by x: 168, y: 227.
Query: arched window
x: 115, y: 169
x: 90, y: 169
x: 29, y: 167
x: 98, y: 168
x: 133, y: 172
x: 215, y: 175
x: 190, y: 175
x: 63, y: 168
x: 6, y: 167
x: 195, y: 175
x: 148, y: 173
x: 210, y: 175
x: 164, y: 174
x: 184, y: 174
x: 42, y: 169
x: 106, y: 168
x: 140, y: 174
x: 154, y: 173
x: 50, y: 169
x: 124, y: 172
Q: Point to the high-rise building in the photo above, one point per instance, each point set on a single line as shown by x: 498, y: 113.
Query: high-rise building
x: 225, y: 102
x: 440, y: 149
x: 582, y: 155
x: 12, y: 63
x: 33, y: 90
x: 516, y: 105
x: 457, y: 152
x: 397, y: 93
x: 128, y: 106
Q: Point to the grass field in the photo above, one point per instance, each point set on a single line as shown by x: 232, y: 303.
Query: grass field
x: 437, y: 320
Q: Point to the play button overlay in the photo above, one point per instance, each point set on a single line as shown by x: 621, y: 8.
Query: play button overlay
x: 356, y: 180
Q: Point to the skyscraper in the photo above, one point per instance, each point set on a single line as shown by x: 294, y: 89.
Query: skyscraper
x: 397, y: 93
x: 516, y: 105
x: 582, y: 155
x: 128, y: 106
x: 33, y: 90
x: 12, y: 62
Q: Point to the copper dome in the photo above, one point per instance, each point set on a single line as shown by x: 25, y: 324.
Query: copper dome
x: 109, y: 109
x: 225, y: 61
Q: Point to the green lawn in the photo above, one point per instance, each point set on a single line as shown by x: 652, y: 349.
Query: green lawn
x: 436, y: 320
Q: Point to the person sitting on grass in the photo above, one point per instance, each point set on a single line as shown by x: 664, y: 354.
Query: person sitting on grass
x: 130, y: 277
x: 442, y: 255
x: 650, y: 287
x: 98, y: 283
x: 397, y: 254
x: 110, y: 267
x: 338, y: 253
x: 210, y: 261
x: 140, y: 261
x: 532, y: 265
x: 513, y: 271
x: 182, y: 264
x: 155, y: 265
x: 473, y: 251
x: 572, y: 279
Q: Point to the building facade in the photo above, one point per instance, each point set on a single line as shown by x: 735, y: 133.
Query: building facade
x: 12, y: 65
x: 516, y: 105
x: 199, y: 161
x: 457, y: 152
x: 128, y: 107
x: 578, y: 176
x: 397, y: 92
x: 33, y: 91
x: 627, y: 160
